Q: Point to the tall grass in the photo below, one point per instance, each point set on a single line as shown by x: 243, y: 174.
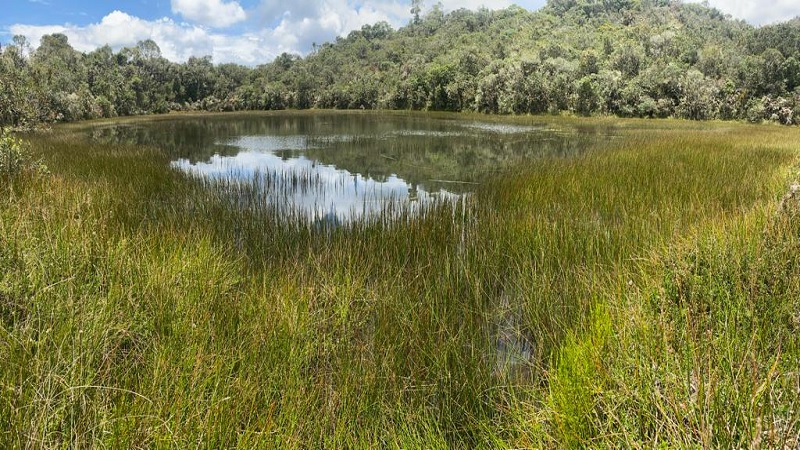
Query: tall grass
x: 614, y: 297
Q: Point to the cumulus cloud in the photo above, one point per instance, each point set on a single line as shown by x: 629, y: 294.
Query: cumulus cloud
x: 290, y: 28
x: 211, y: 13
x: 295, y: 26
x: 178, y: 41
x: 307, y: 21
x: 761, y: 12
x: 275, y: 26
x: 342, y: 16
x: 299, y: 23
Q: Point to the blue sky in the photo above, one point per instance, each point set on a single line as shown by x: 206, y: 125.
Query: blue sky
x: 50, y: 12
x: 254, y: 31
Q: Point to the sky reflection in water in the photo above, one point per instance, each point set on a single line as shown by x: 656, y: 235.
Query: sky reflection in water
x: 314, y: 189
x: 343, y: 166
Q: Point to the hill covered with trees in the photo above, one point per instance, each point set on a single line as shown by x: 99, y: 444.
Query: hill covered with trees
x: 630, y: 58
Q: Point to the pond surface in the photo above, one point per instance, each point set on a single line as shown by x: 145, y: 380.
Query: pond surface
x: 343, y: 166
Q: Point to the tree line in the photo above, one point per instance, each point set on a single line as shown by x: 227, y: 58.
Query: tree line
x: 629, y: 58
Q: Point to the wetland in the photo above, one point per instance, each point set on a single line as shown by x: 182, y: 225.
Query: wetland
x: 490, y: 282
x: 346, y: 165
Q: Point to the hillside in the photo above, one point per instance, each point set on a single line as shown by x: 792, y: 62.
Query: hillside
x: 630, y: 58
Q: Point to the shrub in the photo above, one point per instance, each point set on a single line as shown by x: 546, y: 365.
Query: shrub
x: 16, y: 160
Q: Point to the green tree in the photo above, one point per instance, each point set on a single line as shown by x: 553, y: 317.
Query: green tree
x: 698, y: 99
x: 19, y: 97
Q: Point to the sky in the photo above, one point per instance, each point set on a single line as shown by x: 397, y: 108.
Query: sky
x: 252, y: 32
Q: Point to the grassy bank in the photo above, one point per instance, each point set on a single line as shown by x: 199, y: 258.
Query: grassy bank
x: 644, y: 293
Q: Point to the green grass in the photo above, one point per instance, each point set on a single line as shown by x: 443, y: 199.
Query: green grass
x: 652, y: 283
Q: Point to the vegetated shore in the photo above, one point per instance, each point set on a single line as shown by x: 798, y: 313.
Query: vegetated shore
x: 626, y: 58
x: 649, y: 286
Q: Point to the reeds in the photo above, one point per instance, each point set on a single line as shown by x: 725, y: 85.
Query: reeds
x: 619, y: 297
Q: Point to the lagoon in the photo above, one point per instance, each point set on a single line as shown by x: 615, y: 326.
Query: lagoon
x: 344, y: 166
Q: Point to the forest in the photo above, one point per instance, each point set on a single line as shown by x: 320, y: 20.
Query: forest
x: 626, y: 58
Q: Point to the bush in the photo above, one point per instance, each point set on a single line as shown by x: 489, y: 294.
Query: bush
x: 16, y: 160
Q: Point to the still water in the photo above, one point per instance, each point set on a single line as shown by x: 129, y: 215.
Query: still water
x: 343, y: 166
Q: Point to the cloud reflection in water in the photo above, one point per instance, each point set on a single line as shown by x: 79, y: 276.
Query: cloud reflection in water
x: 316, y: 190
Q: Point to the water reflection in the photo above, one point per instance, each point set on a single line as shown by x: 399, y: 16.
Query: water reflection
x: 315, y: 190
x: 350, y: 164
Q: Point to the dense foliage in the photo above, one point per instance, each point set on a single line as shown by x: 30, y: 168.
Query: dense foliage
x: 642, y: 58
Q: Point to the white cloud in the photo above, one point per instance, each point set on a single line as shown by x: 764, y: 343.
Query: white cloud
x: 290, y: 26
x: 178, y: 41
x: 298, y: 24
x: 212, y: 13
x: 343, y: 16
x: 760, y: 12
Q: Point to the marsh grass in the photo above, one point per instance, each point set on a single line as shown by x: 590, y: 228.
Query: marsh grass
x: 643, y: 293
